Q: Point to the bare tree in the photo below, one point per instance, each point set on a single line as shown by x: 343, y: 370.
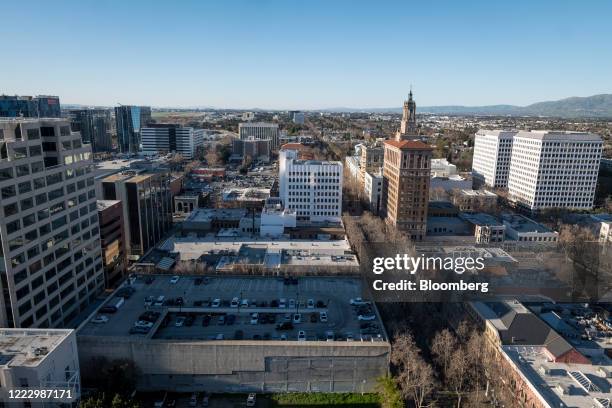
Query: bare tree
x: 415, y: 376
x: 443, y: 346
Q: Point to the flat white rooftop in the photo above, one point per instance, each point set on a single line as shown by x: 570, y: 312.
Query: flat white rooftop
x: 194, y: 247
x: 28, y: 347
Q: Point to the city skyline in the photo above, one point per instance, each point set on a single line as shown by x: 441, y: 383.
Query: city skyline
x: 268, y: 55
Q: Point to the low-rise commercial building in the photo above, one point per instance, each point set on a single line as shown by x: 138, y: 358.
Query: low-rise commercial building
x: 468, y: 200
x: 524, y: 230
x: 39, y: 359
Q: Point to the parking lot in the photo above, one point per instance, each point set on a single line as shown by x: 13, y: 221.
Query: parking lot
x: 262, y: 295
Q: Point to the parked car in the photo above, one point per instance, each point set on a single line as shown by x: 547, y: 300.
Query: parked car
x: 216, y: 303
x: 193, y: 401
x: 244, y: 303
x: 329, y: 335
x: 100, y: 319
x: 220, y: 336
x: 149, y: 280
x: 284, y: 326
x: 282, y: 303
x: 313, y: 318
x: 148, y: 301
x: 297, y: 318
x: 310, y: 304
x: 235, y: 302
x: 301, y: 335
x: 174, y: 279
x: 359, y: 302
x: 251, y: 400
x: 159, y: 301
x: 108, y: 309
x: 143, y: 323
x: 323, y: 317
x: 291, y: 303
x: 367, y: 317
x: 254, y: 318
x: 221, y: 321
x: 180, y: 321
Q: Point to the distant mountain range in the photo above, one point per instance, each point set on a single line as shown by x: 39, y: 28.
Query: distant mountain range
x: 599, y: 106
x: 596, y: 106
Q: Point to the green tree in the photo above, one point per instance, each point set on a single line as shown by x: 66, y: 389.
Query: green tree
x: 390, y: 396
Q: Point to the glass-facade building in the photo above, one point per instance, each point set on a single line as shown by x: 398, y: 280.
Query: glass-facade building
x: 94, y: 126
x: 129, y: 120
x: 30, y: 107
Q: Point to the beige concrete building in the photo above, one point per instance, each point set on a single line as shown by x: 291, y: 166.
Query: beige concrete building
x: 50, y: 257
x: 39, y: 359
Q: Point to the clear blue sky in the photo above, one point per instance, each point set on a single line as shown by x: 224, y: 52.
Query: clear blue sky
x: 305, y: 54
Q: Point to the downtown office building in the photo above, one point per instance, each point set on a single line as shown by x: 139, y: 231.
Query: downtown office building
x: 172, y: 138
x: 541, y: 169
x: 50, y: 257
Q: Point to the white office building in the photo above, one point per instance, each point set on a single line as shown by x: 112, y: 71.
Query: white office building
x: 554, y: 169
x: 260, y: 131
x: 541, y: 169
x: 39, y: 359
x: 491, y: 163
x: 162, y: 139
x: 50, y: 255
x: 373, y: 183
x: 312, y: 188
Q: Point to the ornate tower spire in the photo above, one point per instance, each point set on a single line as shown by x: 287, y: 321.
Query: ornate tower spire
x: 408, y: 127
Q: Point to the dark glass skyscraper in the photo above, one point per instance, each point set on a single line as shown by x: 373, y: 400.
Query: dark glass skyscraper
x: 30, y: 107
x: 95, y: 127
x: 129, y: 120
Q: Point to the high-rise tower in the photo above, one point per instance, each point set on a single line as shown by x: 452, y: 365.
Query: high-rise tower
x: 409, y: 126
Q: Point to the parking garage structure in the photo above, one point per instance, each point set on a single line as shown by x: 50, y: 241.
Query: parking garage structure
x: 242, y: 334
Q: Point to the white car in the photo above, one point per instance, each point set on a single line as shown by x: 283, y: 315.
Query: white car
x: 144, y: 324
x: 329, y: 335
x: 282, y: 303
x: 235, y: 302
x: 174, y: 279
x: 251, y: 400
x: 100, y: 319
x: 149, y: 301
x: 180, y: 321
x: 283, y: 337
x: 366, y: 318
x: 159, y: 301
x: 220, y: 336
x: 216, y: 303
x: 297, y: 318
x: 254, y: 318
x: 310, y: 304
x: 301, y: 335
x: 244, y: 303
x: 291, y: 303
x: 323, y: 317
x: 359, y: 302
